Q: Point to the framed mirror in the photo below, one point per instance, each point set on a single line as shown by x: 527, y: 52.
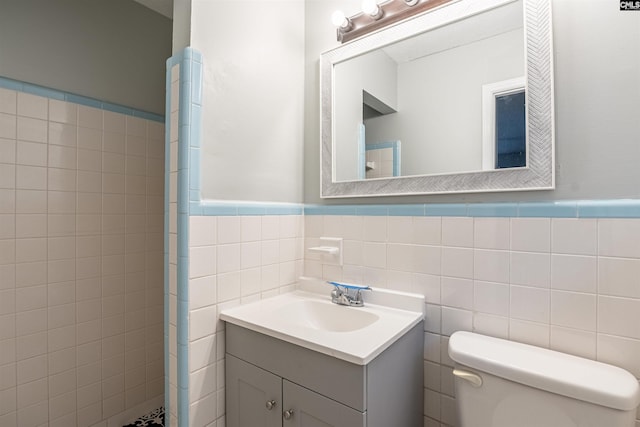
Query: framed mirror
x: 456, y: 100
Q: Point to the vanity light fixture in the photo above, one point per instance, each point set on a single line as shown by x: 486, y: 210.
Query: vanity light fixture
x: 376, y: 16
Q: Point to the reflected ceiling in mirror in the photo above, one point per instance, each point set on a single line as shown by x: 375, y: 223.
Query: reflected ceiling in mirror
x: 403, y: 108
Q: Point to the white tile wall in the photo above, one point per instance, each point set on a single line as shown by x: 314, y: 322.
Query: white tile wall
x: 172, y: 411
x: 232, y: 260
x: 566, y: 284
x: 80, y: 315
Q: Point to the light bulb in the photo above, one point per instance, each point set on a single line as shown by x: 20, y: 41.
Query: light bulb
x: 338, y: 18
x: 371, y: 8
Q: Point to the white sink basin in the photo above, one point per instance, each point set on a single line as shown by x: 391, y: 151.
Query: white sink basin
x: 325, y: 316
x: 311, y: 320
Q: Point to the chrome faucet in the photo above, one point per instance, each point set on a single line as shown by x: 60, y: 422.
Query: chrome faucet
x: 346, y: 294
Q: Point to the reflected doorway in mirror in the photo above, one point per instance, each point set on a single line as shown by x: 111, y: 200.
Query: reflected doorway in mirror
x: 504, y: 129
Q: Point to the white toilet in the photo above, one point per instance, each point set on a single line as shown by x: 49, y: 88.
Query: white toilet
x: 502, y: 383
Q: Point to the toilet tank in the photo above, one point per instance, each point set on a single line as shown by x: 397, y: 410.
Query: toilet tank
x: 502, y: 383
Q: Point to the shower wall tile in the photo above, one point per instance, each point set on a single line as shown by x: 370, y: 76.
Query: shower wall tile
x: 62, y: 157
x: 28, y: 129
x: 31, y: 153
x: 63, y: 134
x: 62, y: 112
x: 7, y: 176
x: 7, y: 126
x: 31, y: 177
x: 7, y: 150
x: 8, y: 101
x: 64, y: 244
x: 114, y: 142
x: 89, y: 117
x: 89, y: 139
x: 32, y: 106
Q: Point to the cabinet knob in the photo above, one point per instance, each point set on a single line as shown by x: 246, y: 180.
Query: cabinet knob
x: 271, y: 404
x: 288, y: 414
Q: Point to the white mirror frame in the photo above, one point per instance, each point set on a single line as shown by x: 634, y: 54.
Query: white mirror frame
x: 539, y: 173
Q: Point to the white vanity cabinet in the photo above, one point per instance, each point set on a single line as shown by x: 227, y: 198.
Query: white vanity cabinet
x: 270, y: 382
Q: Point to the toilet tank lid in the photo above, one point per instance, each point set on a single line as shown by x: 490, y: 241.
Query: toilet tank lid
x: 549, y: 370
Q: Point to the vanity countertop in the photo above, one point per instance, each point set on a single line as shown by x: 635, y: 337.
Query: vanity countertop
x: 311, y: 320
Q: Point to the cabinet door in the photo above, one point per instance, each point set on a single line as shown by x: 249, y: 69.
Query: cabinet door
x: 311, y: 409
x: 254, y: 396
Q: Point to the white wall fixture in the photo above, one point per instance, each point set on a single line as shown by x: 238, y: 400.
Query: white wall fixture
x: 330, y: 249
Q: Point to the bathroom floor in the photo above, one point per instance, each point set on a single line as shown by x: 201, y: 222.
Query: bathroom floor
x: 152, y: 419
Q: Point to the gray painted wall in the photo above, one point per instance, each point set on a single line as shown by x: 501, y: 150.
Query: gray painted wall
x: 253, y: 100
x: 109, y: 50
x: 597, y: 93
x: 181, y: 24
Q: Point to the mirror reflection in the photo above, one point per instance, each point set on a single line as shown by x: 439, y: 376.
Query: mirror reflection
x: 446, y: 101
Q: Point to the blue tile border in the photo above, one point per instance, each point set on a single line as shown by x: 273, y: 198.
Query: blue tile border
x: 166, y: 302
x: 185, y: 134
x: 548, y: 210
x: 182, y: 330
x: 616, y: 208
x: 372, y: 210
x: 493, y: 209
x: 221, y: 208
x: 33, y: 89
x: 341, y: 210
x: 609, y: 209
x: 446, y: 209
x: 167, y: 186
